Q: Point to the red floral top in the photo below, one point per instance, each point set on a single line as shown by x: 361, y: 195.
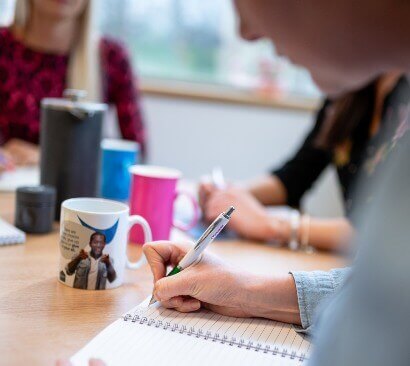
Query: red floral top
x: 28, y: 76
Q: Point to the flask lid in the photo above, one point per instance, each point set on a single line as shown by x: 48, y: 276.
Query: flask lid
x: 73, y: 101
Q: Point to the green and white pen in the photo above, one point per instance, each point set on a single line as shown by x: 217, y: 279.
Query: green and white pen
x: 194, y: 255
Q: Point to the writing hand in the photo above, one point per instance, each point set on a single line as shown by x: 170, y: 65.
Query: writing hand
x: 205, y: 191
x: 213, y: 284
x: 196, y: 286
x: 251, y: 219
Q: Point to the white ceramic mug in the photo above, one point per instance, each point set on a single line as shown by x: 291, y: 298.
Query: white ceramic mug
x: 93, y: 243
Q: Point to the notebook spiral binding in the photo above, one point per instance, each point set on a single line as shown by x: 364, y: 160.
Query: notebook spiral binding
x: 215, y: 337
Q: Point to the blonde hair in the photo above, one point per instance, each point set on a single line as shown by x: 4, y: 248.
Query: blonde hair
x: 84, y: 68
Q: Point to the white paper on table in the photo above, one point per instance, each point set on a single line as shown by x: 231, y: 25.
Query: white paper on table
x: 157, y: 336
x: 27, y: 176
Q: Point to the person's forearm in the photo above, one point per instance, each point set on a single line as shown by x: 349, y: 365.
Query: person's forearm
x: 268, y: 190
x: 72, y: 266
x: 273, y: 298
x: 322, y: 234
x: 328, y: 234
x: 111, y: 274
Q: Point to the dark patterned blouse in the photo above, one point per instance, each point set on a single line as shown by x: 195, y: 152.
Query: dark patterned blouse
x: 358, y: 159
x: 27, y: 76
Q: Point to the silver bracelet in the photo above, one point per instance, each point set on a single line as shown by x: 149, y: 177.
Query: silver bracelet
x: 294, y: 227
x: 305, y: 234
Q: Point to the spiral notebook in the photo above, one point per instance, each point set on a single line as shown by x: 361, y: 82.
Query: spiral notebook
x: 157, y: 336
x: 10, y: 235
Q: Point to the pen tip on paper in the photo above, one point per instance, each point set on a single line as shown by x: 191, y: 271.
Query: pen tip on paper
x: 152, y: 301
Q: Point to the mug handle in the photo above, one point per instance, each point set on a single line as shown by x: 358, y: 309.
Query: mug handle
x: 186, y: 227
x: 134, y: 220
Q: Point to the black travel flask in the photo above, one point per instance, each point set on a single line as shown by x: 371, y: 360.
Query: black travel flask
x: 71, y: 132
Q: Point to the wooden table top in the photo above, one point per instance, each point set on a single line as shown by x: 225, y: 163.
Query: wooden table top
x: 42, y: 320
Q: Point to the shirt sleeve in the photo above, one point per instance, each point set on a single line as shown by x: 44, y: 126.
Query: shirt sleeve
x: 314, y: 287
x: 300, y: 172
x: 121, y: 90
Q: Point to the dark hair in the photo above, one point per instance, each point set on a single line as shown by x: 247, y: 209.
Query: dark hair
x: 344, y: 114
x: 97, y: 234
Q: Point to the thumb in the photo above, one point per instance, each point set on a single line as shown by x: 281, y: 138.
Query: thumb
x: 177, y: 285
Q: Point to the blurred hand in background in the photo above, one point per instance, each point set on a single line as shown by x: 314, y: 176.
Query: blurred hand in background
x: 251, y: 220
x: 6, y: 162
x: 21, y: 152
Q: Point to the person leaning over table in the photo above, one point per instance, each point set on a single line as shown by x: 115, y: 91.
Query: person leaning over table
x: 337, y: 66
x: 367, y: 322
x: 51, y: 46
x: 349, y: 133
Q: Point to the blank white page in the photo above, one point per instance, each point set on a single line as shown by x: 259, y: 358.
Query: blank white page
x: 155, y: 336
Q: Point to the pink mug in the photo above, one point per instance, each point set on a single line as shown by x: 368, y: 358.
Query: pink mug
x: 153, y: 193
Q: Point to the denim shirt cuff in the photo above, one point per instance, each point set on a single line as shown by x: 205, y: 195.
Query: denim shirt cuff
x: 312, y: 288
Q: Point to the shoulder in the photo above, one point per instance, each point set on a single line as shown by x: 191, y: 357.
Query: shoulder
x: 321, y: 116
x: 113, y: 50
x: 116, y: 63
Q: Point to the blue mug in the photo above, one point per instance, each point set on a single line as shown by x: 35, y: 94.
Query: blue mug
x: 117, y: 157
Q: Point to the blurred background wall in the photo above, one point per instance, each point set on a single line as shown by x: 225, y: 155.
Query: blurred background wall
x: 245, y: 141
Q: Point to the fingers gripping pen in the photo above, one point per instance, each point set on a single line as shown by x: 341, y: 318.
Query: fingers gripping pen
x: 194, y: 254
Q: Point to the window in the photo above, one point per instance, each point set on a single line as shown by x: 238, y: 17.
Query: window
x: 196, y: 41
x: 6, y: 12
